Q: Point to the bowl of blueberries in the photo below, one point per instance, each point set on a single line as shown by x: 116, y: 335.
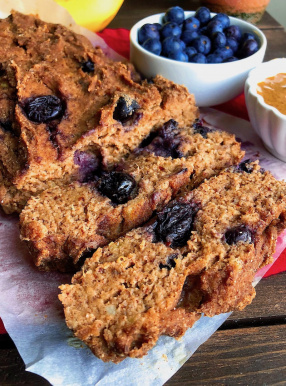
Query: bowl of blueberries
x: 211, y: 54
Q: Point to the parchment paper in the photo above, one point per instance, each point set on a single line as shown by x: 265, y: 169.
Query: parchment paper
x: 29, y: 306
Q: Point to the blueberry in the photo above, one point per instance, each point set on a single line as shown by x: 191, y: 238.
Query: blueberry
x: 43, y: 109
x: 214, y: 39
x: 190, y: 51
x: 214, y: 58
x: 218, y: 40
x: 125, y: 109
x: 247, y: 36
x: 88, y: 163
x: 246, y: 166
x: 248, y: 48
x: 224, y: 52
x: 203, y: 15
x: 198, y: 58
x: 168, y: 129
x: 230, y: 59
x: 239, y: 233
x: 87, y: 66
x: 202, y: 44
x: 148, y: 31
x: 119, y: 187
x: 171, y: 45
x: 158, y: 26
x: 232, y: 43
x: 214, y: 26
x: 223, y: 18
x: 233, y: 31
x: 148, y: 140
x: 191, y: 24
x: 175, y: 14
x: 202, y: 130
x: 180, y: 56
x: 170, y: 29
x: 175, y: 223
x: 188, y: 36
x: 165, y: 141
x: 203, y: 30
x: 153, y: 45
x: 170, y: 262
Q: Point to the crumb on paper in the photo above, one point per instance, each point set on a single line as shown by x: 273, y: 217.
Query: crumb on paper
x: 75, y: 342
x: 180, y: 356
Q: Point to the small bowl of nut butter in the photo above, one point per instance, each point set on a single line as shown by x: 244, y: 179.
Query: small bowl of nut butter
x: 265, y: 96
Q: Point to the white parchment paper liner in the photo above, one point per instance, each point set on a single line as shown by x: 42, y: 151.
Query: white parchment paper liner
x: 29, y: 306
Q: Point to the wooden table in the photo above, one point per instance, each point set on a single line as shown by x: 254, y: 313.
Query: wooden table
x: 250, y: 347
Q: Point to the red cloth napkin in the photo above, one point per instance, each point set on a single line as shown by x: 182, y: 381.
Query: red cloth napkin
x: 2, y: 328
x: 118, y: 39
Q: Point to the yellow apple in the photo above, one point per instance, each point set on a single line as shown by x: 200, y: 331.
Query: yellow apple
x: 92, y: 14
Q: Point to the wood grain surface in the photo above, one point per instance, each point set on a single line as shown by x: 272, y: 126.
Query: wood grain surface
x: 250, y: 347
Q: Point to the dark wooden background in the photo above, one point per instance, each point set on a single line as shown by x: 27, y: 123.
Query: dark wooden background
x: 250, y: 347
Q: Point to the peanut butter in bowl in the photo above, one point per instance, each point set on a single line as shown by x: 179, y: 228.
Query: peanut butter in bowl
x: 265, y: 97
x: 273, y: 91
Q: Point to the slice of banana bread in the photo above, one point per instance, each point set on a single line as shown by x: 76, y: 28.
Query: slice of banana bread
x: 199, y: 255
x: 62, y: 100
x: 63, y: 224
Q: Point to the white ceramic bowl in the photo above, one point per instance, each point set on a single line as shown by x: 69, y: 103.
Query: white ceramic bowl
x: 211, y: 84
x: 268, y: 122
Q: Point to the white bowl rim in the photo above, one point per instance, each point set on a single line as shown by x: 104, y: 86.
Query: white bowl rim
x: 133, y: 40
x: 251, y: 83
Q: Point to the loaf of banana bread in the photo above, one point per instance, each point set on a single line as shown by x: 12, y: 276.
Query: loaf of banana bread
x: 65, y: 224
x: 63, y: 103
x: 199, y: 255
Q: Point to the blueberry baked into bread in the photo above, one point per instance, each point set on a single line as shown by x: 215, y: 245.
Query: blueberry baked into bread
x: 66, y: 109
x: 199, y: 255
x: 65, y: 224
